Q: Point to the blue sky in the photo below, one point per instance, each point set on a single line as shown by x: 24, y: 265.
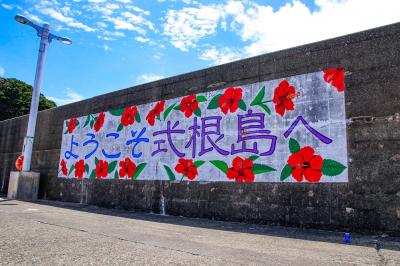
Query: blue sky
x: 121, y: 43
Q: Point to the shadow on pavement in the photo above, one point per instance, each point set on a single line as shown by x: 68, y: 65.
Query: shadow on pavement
x: 374, y: 241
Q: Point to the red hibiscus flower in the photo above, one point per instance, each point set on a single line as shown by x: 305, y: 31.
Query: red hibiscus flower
x: 71, y: 125
x: 127, y: 167
x: 64, y: 167
x: 101, y: 169
x: 79, y: 168
x: 187, y: 168
x: 99, y: 122
x: 128, y: 117
x: 283, y: 97
x: 335, y: 76
x: 19, y: 162
x: 189, y: 104
x: 156, y: 111
x: 305, y: 164
x: 229, y: 101
x: 241, y: 170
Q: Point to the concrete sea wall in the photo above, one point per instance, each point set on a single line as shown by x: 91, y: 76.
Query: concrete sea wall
x: 369, y: 201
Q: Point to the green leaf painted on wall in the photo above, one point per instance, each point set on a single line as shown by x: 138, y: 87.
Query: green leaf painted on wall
x: 168, y: 110
x: 138, y: 170
x: 286, y: 172
x: 117, y: 112
x: 66, y: 131
x: 214, y: 102
x: 92, y: 175
x: 332, y: 167
x: 259, y: 97
x: 111, y: 166
x: 137, y: 117
x: 120, y: 127
x: 91, y: 123
x: 96, y: 161
x: 77, y: 122
x: 86, y: 121
x: 198, y: 163
x: 265, y: 108
x: 262, y: 168
x: 177, y: 107
x: 170, y: 174
x: 221, y: 165
x: 254, y: 157
x: 242, y: 105
x: 86, y: 168
x: 71, y: 168
x: 201, y: 98
x: 294, y: 146
x: 198, y: 112
x: 116, y: 176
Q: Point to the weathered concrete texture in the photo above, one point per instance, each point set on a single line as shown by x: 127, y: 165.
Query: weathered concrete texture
x: 369, y: 202
x: 23, y: 186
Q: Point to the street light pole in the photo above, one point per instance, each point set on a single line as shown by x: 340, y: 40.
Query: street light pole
x: 30, y: 133
x: 45, y: 39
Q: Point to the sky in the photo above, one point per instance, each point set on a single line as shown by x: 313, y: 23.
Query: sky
x: 122, y: 43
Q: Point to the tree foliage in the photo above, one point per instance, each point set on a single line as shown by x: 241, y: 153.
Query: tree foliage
x: 15, y: 98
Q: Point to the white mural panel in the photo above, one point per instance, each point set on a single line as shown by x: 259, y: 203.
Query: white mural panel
x: 285, y: 130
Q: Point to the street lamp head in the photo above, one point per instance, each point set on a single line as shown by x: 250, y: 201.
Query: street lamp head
x: 66, y: 41
x: 61, y: 39
x: 41, y: 30
x: 25, y: 21
x: 21, y: 19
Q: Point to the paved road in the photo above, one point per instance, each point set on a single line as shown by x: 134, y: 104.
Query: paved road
x: 53, y: 233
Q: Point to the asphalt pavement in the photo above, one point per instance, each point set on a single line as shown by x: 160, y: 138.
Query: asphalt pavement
x: 56, y: 233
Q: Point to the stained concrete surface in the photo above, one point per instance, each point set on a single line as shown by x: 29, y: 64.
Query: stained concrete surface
x: 55, y: 233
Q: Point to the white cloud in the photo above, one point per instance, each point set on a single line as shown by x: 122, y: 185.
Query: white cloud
x: 53, y: 13
x: 217, y: 57
x: 33, y: 17
x: 121, y: 24
x: 139, y: 10
x: 145, y: 78
x: 8, y: 7
x: 157, y: 56
x: 106, y: 47
x: 95, y: 8
x: 101, y: 24
x: 141, y: 39
x: 295, y: 24
x: 111, y: 35
x: 112, y: 6
x: 189, y: 2
x: 260, y: 28
x: 188, y: 25
x: 138, y: 20
x: 2, y: 71
x: 71, y: 96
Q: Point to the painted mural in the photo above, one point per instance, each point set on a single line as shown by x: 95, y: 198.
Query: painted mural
x: 285, y: 130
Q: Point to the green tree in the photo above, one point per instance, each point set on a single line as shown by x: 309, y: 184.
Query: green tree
x: 15, y: 98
